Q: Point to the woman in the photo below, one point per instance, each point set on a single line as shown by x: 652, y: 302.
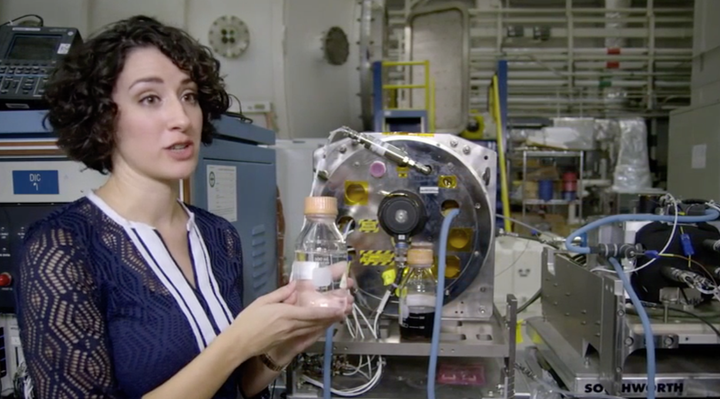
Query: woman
x: 127, y: 292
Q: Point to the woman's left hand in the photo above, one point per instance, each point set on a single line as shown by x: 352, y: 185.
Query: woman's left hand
x: 286, y: 352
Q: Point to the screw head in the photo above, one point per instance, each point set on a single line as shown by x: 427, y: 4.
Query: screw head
x: 453, y: 143
x: 343, y: 149
x: 478, y: 206
x: 466, y: 150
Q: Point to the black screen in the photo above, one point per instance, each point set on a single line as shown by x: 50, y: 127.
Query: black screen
x: 31, y: 47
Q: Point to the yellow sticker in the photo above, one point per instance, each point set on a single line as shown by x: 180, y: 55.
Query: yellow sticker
x: 402, y: 171
x: 519, y: 332
x: 369, y: 226
x: 388, y: 276
x: 447, y: 182
x: 376, y: 258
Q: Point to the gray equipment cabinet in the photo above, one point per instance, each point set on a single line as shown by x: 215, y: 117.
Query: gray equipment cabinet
x: 238, y: 164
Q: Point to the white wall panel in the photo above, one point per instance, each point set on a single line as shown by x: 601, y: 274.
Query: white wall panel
x: 59, y: 12
x: 319, y: 96
x: 103, y: 12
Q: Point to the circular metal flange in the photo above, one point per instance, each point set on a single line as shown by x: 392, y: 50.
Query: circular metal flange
x: 229, y: 36
x: 336, y: 47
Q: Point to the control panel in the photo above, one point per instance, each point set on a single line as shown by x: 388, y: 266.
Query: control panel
x: 27, y: 56
x: 34, y: 188
x: 14, y: 222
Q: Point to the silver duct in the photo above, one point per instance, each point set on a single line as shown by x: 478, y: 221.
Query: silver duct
x: 613, y: 93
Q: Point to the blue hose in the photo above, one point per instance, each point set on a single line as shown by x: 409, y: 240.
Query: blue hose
x: 647, y: 328
x: 327, y: 364
x: 435, y: 343
x: 710, y: 215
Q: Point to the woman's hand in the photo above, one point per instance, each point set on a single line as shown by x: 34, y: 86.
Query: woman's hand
x: 286, y: 351
x: 269, y: 322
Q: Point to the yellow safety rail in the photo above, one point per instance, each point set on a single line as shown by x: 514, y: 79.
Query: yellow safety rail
x: 501, y: 152
x: 428, y: 86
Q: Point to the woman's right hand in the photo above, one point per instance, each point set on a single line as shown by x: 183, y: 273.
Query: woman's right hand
x: 268, y: 322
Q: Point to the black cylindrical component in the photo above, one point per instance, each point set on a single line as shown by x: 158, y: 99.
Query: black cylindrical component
x: 402, y: 212
x: 712, y: 245
x: 648, y: 203
x: 617, y: 250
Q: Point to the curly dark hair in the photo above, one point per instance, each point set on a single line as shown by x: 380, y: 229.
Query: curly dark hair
x: 79, y: 90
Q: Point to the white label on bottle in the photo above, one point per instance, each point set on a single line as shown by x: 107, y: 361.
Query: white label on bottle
x: 404, y: 312
x: 422, y: 300
x: 303, y: 270
x: 322, y: 277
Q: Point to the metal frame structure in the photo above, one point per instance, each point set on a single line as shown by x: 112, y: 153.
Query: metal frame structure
x: 557, y: 65
x: 497, y: 357
x: 381, y: 112
x: 531, y: 153
x: 593, y: 344
x: 473, y: 330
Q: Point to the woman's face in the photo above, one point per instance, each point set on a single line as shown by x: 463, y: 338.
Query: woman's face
x: 159, y: 122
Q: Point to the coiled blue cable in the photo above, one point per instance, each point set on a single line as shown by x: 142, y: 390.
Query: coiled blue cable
x: 435, y: 343
x: 327, y: 364
x: 710, y: 215
x: 647, y: 327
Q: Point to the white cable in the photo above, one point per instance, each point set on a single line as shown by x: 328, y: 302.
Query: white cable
x: 321, y: 164
x: 669, y: 241
x: 601, y: 269
x: 662, y: 251
x: 381, y: 307
x: 353, y: 392
x: 372, y: 329
x: 357, y: 322
x: 362, y: 389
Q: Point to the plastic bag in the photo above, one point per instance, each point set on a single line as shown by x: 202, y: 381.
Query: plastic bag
x: 632, y: 171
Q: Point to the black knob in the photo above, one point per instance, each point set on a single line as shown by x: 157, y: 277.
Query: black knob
x: 402, y: 212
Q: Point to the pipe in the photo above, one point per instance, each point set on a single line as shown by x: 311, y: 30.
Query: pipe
x: 327, y: 364
x: 534, y: 11
x: 439, y: 295
x: 710, y: 215
x: 647, y: 327
x: 486, y: 75
x: 562, y: 19
x: 504, y: 189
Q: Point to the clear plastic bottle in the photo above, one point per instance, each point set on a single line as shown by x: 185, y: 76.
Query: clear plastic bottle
x: 417, y: 296
x: 320, y: 266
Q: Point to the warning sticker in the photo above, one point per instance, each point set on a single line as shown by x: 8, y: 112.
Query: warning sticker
x: 376, y: 258
x: 402, y: 171
x: 369, y: 226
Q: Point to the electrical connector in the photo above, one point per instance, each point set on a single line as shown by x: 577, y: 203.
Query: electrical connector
x: 687, y: 246
x: 617, y: 250
x: 652, y: 254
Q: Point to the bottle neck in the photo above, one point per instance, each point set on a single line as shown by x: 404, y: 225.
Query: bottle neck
x: 320, y: 218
